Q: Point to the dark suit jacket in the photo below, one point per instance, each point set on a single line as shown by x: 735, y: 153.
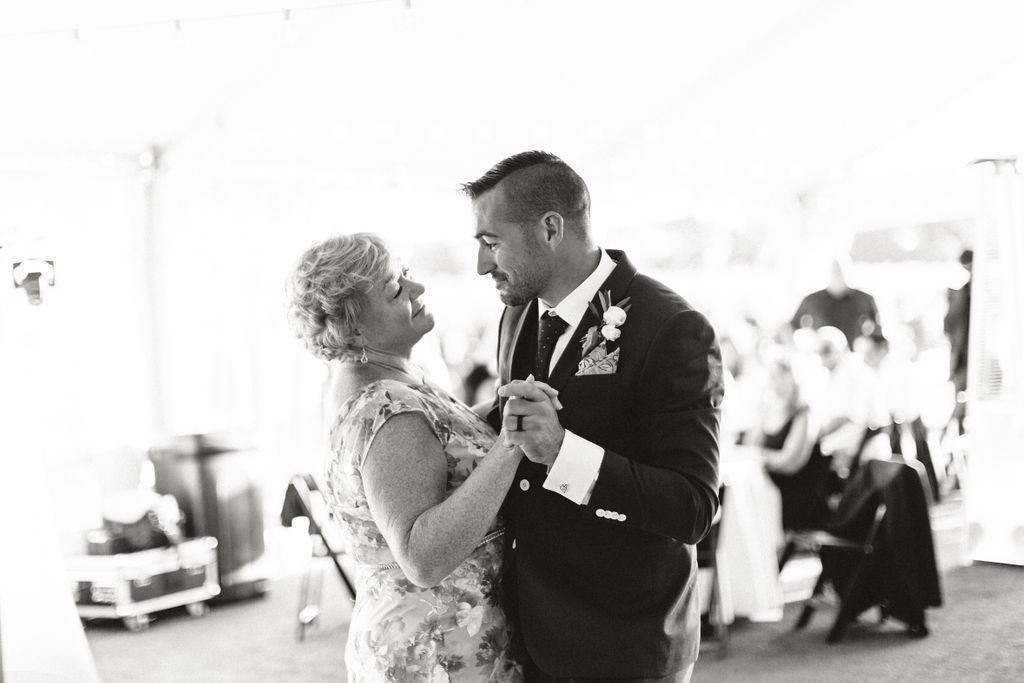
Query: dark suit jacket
x: 594, y: 596
x: 957, y: 324
x: 849, y: 312
x: 903, y: 572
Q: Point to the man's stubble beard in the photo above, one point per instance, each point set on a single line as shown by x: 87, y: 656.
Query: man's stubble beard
x: 529, y: 288
x: 515, y: 298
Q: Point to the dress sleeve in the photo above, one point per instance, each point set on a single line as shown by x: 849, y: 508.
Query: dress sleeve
x: 389, y: 398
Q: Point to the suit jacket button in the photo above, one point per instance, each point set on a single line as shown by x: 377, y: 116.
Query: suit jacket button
x: 524, y: 484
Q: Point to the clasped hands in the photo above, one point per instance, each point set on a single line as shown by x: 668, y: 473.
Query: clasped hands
x: 530, y: 419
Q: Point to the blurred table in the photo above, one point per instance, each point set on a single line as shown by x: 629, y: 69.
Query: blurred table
x: 750, y: 534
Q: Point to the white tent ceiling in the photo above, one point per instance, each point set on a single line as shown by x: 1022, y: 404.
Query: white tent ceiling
x: 730, y: 110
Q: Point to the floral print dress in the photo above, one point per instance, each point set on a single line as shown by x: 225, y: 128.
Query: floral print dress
x: 455, y: 631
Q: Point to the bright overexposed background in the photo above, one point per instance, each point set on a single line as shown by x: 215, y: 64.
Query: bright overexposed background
x: 173, y: 158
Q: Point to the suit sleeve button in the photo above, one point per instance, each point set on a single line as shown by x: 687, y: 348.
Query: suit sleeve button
x: 600, y: 512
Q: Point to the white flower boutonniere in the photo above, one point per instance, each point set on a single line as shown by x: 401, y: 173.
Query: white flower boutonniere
x: 597, y: 359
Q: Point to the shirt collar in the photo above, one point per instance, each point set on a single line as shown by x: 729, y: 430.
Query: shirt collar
x: 572, y: 308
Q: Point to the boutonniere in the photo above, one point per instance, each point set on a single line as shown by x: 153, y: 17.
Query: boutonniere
x: 597, y: 359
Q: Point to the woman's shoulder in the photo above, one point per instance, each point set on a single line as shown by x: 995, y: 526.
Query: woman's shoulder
x: 392, y: 392
x: 376, y: 398
x: 367, y: 411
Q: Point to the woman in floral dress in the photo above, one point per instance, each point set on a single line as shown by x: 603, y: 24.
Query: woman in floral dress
x: 414, y: 477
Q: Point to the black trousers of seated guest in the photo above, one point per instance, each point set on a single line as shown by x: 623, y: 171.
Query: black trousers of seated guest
x: 535, y: 675
x: 923, y: 455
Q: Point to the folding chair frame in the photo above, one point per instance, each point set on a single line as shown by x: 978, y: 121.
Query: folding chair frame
x: 311, y: 590
x: 863, y: 550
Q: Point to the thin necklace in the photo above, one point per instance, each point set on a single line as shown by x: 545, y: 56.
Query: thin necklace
x: 390, y: 361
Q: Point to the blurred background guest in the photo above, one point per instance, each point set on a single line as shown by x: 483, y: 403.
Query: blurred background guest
x: 744, y: 377
x: 898, y: 385
x: 838, y: 305
x: 956, y: 325
x: 787, y: 432
x: 850, y: 406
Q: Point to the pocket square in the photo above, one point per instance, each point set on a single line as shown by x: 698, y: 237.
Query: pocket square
x: 599, y: 362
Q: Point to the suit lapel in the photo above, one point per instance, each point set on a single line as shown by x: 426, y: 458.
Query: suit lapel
x: 618, y: 283
x: 518, y: 344
x: 514, y: 339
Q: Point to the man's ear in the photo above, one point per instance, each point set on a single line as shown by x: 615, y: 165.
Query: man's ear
x: 554, y: 228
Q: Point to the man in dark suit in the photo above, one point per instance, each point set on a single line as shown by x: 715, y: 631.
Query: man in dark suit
x: 839, y: 305
x: 621, y: 482
x: 957, y: 326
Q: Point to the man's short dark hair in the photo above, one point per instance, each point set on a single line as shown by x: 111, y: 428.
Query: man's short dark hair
x: 536, y: 182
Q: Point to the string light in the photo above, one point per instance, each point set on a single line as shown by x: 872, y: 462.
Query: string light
x: 286, y: 14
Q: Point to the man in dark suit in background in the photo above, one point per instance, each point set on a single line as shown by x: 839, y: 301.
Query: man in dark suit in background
x: 838, y: 305
x: 957, y: 326
x: 621, y: 482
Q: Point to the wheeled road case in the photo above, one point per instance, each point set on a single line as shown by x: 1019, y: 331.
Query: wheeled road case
x: 132, y: 586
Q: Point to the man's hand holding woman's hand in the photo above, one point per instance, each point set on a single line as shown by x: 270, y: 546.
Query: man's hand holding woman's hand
x: 530, y: 419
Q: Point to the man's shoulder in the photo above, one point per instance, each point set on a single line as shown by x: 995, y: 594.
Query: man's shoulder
x: 817, y: 296
x: 654, y: 304
x: 861, y: 295
x: 646, y: 288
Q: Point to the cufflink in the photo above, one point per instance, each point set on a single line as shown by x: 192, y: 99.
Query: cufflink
x: 563, y: 488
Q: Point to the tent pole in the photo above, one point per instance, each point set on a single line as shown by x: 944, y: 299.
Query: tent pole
x: 149, y: 164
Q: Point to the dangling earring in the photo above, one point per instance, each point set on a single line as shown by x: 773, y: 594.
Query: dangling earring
x: 363, y: 358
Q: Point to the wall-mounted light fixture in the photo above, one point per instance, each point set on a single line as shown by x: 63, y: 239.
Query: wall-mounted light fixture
x: 34, y: 276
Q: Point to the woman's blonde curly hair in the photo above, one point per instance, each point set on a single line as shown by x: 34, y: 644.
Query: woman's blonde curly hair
x: 328, y: 287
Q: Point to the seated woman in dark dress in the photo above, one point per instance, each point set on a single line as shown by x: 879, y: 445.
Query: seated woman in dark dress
x: 788, y: 436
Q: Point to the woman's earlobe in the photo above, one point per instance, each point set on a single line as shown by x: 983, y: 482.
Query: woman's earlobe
x: 355, y: 336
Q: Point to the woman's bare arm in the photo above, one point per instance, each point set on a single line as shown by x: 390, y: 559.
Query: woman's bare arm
x: 405, y: 473
x: 796, y: 450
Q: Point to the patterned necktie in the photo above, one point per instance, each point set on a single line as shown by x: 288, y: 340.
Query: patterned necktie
x: 551, y: 328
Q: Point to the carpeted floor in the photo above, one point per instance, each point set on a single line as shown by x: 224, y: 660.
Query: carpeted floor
x: 978, y: 635
x: 250, y: 640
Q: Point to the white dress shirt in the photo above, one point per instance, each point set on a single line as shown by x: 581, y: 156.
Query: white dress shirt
x: 575, y: 470
x: 851, y: 392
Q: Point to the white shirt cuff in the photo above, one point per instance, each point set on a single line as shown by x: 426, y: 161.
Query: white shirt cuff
x: 575, y: 470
